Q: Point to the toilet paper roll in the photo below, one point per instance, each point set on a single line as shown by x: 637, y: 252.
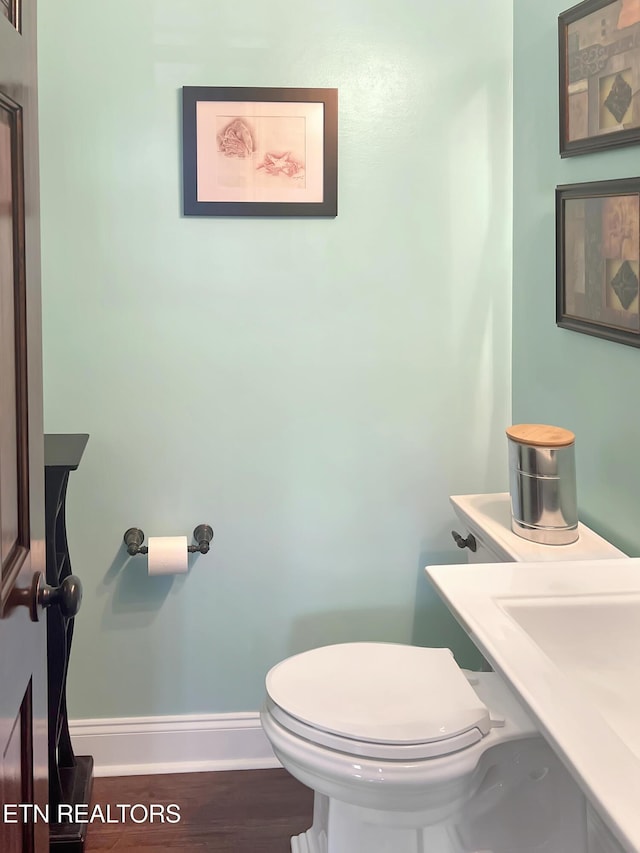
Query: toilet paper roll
x: 167, y: 555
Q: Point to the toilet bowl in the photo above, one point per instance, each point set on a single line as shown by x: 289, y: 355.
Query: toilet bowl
x: 408, y: 753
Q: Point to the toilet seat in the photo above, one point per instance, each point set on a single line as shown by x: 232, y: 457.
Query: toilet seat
x: 378, y: 700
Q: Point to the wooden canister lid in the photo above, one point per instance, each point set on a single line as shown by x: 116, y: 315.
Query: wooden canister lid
x: 540, y: 435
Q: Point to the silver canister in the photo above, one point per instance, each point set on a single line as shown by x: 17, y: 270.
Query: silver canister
x: 542, y: 483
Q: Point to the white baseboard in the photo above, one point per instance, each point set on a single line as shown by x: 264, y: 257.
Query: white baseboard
x: 133, y: 746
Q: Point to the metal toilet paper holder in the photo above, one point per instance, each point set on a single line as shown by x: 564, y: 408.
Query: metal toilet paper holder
x: 134, y: 537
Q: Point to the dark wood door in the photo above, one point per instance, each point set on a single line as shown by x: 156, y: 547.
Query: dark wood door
x: 23, y: 686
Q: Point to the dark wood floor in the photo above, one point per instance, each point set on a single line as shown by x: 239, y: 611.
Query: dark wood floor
x: 240, y: 811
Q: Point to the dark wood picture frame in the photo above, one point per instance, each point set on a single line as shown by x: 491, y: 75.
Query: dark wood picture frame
x: 598, y: 259
x: 599, y: 58
x: 259, y: 151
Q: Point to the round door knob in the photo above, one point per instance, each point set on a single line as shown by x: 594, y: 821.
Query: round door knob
x: 67, y: 596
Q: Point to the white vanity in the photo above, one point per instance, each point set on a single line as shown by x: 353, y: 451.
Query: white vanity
x: 563, y: 629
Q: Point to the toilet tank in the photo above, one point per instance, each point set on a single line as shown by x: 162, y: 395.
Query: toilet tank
x: 488, y: 519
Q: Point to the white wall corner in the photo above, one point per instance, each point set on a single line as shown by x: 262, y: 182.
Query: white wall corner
x: 133, y: 746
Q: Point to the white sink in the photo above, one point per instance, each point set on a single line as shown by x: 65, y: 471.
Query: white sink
x: 566, y: 636
x: 595, y: 641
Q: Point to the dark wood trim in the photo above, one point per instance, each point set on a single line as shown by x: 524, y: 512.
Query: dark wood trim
x: 12, y: 569
x: 26, y: 746
x: 22, y: 385
x: 77, y: 783
x: 10, y: 9
x: 23, y: 642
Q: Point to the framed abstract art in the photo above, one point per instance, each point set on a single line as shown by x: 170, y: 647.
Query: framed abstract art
x: 599, y: 54
x: 597, y: 259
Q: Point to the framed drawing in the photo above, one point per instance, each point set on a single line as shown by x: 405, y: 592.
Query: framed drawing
x: 599, y: 52
x: 260, y: 151
x: 597, y: 259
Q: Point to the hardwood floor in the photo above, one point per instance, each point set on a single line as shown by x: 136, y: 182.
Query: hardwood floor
x: 240, y: 811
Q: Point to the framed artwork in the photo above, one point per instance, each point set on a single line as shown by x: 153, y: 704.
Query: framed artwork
x: 598, y: 257
x: 599, y: 51
x: 260, y: 151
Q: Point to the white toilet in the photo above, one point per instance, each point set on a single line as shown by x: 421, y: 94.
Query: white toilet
x: 407, y: 753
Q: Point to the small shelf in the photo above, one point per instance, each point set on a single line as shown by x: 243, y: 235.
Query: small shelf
x: 70, y: 776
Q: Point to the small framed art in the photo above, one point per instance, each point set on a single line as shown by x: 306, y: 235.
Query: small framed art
x: 599, y: 53
x: 260, y: 151
x: 597, y: 258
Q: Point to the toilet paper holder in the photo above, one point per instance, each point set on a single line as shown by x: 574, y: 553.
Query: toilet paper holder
x: 134, y: 537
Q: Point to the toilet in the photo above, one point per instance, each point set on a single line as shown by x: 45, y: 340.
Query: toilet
x: 408, y: 753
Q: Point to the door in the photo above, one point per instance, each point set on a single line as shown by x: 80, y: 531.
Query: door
x: 23, y: 686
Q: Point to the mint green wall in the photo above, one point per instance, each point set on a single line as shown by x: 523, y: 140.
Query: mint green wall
x: 561, y: 377
x: 314, y: 389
